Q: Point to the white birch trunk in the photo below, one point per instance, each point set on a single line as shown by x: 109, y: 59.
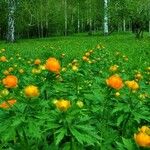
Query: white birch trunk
x: 90, y: 23
x: 66, y: 20
x: 11, y: 21
x: 105, y: 17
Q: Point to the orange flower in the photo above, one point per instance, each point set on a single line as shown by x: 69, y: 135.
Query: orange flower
x: 31, y: 91
x: 37, y: 61
x: 143, y: 137
x: 3, y: 59
x: 10, y: 81
x: 115, y: 82
x: 62, y: 104
x: 85, y: 58
x: 53, y: 65
x: 8, y: 104
x: 133, y: 85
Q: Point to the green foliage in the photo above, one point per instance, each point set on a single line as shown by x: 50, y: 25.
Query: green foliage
x: 96, y: 118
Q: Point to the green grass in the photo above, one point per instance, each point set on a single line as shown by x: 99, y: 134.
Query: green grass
x: 138, y: 51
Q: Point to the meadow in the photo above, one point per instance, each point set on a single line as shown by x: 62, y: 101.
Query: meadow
x: 75, y: 93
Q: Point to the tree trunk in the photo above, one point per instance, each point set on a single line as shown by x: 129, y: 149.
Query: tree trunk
x: 130, y: 26
x: 66, y: 17
x: 11, y: 21
x: 38, y: 27
x: 78, y: 17
x: 82, y: 25
x: 90, y: 18
x: 41, y: 29
x: 105, y: 17
x: 124, y: 25
x: 149, y: 27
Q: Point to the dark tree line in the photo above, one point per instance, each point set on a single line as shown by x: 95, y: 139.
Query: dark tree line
x: 44, y: 18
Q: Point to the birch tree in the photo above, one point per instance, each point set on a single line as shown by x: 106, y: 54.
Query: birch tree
x: 65, y: 16
x: 105, y: 17
x: 11, y: 20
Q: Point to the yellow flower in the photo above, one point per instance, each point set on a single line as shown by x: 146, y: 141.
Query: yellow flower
x: 4, y: 92
x: 62, y: 104
x: 6, y: 72
x: 143, y: 137
x: 145, y: 129
x: 138, y: 76
x: 10, y: 69
x: 36, y: 71
x: 21, y: 71
x: 87, y: 54
x: 63, y: 69
x: 91, y: 51
x: 133, y: 85
x: 31, y: 91
x: 74, y: 68
x: 113, y: 68
x: 117, y: 94
x: 42, y: 67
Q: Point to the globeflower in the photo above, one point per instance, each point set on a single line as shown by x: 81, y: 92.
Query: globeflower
x: 133, y: 85
x: 37, y: 61
x: 74, y: 68
x: 138, y: 76
x: 31, y: 91
x: 142, y: 138
x: 113, y: 68
x: 53, y: 65
x: 62, y: 104
x: 3, y: 59
x: 85, y: 58
x: 7, y: 104
x: 10, y: 81
x: 115, y: 82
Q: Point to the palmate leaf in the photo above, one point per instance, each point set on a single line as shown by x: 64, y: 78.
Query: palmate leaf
x: 128, y: 144
x: 120, y: 120
x: 88, y: 129
x: 84, y: 135
x: 59, y: 134
x: 79, y: 137
x: 50, y: 126
x: 33, y: 129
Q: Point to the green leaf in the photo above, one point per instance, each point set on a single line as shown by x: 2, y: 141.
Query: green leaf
x: 60, y: 135
x: 120, y: 120
x: 79, y: 137
x: 128, y: 144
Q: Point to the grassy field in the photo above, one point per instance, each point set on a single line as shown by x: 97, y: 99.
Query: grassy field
x: 75, y: 93
x: 74, y: 47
